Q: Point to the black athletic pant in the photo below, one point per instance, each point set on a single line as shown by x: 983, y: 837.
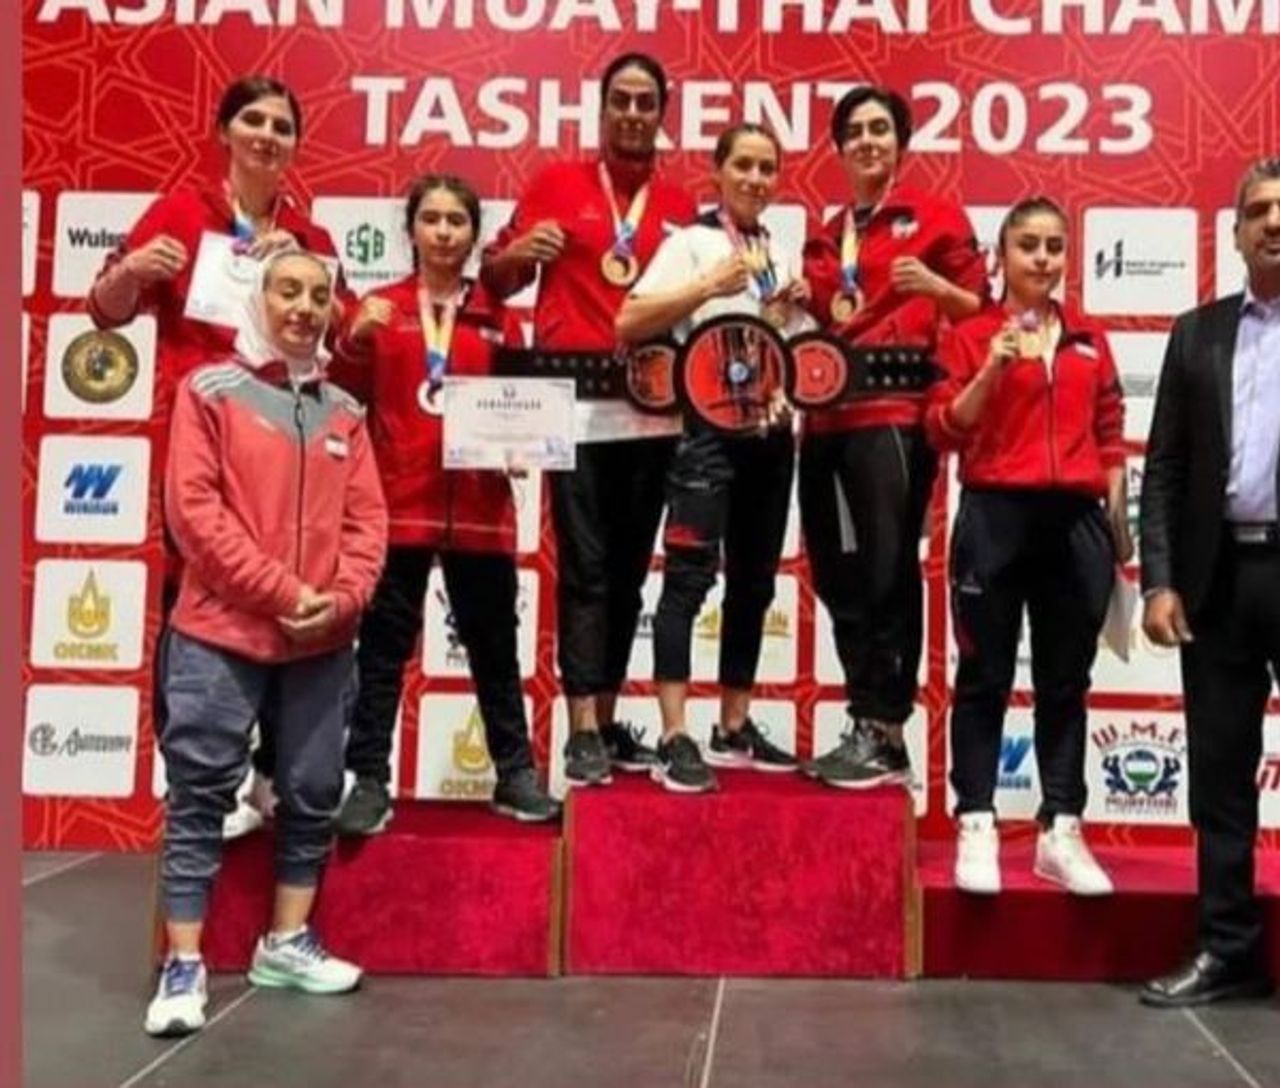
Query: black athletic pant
x: 735, y: 492
x: 1051, y: 553
x: 482, y: 595
x: 863, y: 496
x: 1228, y: 672
x: 606, y: 514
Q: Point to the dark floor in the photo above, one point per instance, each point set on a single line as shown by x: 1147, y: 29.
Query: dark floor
x: 85, y: 939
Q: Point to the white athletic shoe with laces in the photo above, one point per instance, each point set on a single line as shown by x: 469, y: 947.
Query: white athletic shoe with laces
x: 181, y: 996
x: 301, y: 962
x: 1064, y: 857
x: 978, y: 854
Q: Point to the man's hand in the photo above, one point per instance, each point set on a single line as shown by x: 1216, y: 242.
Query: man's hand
x: 1165, y: 620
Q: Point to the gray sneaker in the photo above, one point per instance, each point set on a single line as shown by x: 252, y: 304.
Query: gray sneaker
x: 586, y: 760
x: 680, y: 767
x: 864, y: 758
x: 367, y: 809
x: 627, y: 750
x: 520, y: 796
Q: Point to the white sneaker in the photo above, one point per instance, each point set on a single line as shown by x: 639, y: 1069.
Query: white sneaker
x: 178, y: 1007
x: 1064, y: 857
x: 255, y: 804
x: 301, y: 962
x: 978, y: 854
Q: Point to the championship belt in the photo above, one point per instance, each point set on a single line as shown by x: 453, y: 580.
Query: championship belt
x: 826, y: 370
x: 730, y: 370
x: 597, y: 375
x: 651, y: 377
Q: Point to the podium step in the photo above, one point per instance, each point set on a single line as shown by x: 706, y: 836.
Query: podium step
x: 1035, y: 930
x: 449, y: 888
x: 774, y: 875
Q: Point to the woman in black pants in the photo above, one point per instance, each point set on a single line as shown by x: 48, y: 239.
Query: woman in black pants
x: 405, y: 340
x: 1033, y: 406
x: 721, y: 490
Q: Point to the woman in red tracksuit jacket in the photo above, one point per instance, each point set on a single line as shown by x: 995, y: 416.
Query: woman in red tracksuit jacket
x: 1033, y: 406
x: 890, y: 269
x: 405, y: 340
x: 273, y: 499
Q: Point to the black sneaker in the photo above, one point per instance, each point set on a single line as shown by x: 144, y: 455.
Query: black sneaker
x: 367, y: 809
x: 627, y: 752
x: 747, y: 746
x: 680, y: 767
x: 862, y: 759
x: 586, y: 761
x: 520, y: 796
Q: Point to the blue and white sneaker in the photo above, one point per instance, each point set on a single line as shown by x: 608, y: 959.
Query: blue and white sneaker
x: 178, y: 1007
x: 301, y: 962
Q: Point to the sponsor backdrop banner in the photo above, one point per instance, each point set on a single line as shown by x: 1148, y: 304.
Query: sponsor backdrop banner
x: 1137, y: 114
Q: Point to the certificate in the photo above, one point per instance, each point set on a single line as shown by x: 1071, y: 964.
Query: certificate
x: 500, y: 423
x: 223, y: 278
x: 221, y: 281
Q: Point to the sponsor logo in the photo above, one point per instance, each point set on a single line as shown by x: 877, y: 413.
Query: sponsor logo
x: 472, y: 777
x: 99, y: 366
x: 1142, y: 767
x: 1114, y: 264
x: 1012, y: 773
x: 777, y: 624
x: 905, y: 226
x: 90, y: 486
x: 95, y: 237
x: 44, y: 741
x: 365, y: 244
x: 88, y: 619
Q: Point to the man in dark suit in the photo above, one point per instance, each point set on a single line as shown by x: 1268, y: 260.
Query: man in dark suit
x: 1211, y: 580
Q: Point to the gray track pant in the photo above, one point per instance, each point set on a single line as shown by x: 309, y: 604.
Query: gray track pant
x: 214, y: 697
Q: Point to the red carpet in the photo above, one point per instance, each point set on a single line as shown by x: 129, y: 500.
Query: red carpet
x: 1034, y: 930
x: 773, y: 875
x: 449, y: 888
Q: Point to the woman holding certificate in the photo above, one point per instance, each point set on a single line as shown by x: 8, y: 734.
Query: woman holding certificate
x: 224, y: 225
x: 406, y: 338
x: 725, y: 492
x: 894, y: 263
x: 1033, y: 406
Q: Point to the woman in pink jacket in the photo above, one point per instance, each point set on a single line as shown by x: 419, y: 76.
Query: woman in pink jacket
x: 272, y: 496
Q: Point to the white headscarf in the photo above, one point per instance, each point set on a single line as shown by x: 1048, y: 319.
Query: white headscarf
x: 253, y: 342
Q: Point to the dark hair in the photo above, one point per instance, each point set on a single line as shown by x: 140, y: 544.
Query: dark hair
x: 451, y: 183
x: 1024, y: 210
x: 729, y: 137
x: 646, y: 64
x: 897, y: 106
x: 247, y: 90
x: 1263, y: 170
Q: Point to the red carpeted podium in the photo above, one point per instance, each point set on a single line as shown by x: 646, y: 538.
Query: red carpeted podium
x: 449, y: 889
x: 773, y: 875
x: 1034, y: 930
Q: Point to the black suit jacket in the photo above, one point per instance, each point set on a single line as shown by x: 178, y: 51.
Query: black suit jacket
x: 1184, y: 487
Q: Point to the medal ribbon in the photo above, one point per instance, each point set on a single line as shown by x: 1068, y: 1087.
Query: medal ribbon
x: 755, y: 253
x: 849, y: 245
x: 624, y: 227
x: 437, y: 335
x: 241, y: 223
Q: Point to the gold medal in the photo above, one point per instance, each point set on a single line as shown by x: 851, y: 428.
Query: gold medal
x: 844, y: 307
x: 776, y: 313
x: 100, y: 366
x: 430, y: 399
x: 621, y: 270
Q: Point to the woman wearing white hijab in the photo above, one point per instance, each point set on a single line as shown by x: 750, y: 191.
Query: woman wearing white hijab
x: 272, y: 495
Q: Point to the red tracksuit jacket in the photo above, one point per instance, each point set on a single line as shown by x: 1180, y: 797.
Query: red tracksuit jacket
x: 1059, y: 425
x: 908, y: 223
x: 267, y: 488
x: 429, y: 507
